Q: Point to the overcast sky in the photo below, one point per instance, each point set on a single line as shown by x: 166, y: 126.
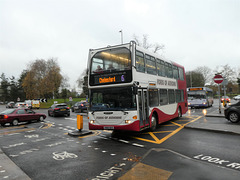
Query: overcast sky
x: 195, y: 32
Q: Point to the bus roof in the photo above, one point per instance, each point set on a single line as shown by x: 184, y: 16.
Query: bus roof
x: 139, y: 48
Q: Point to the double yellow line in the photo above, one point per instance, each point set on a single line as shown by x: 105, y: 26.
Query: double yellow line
x: 16, y: 131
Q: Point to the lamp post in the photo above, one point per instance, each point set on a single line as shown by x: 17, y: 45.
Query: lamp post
x: 121, y: 36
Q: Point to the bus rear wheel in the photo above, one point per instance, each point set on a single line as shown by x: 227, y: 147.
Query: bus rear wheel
x: 153, y: 123
x: 179, y: 112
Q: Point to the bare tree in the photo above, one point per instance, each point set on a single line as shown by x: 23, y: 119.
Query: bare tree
x: 206, y: 72
x: 227, y: 72
x: 146, y: 45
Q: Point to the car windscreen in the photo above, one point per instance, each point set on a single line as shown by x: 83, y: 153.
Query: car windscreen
x: 8, y: 111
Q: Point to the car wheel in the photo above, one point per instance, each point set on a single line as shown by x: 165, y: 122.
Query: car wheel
x: 233, y: 117
x: 41, y: 118
x: 153, y: 123
x: 15, y: 122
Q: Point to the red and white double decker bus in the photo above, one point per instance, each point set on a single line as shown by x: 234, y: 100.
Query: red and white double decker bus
x: 132, y: 89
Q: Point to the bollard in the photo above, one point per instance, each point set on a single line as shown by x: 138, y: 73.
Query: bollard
x: 79, y: 131
x: 79, y: 122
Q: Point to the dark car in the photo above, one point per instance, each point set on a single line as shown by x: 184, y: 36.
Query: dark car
x: 10, y: 105
x: 80, y: 106
x: 59, y: 110
x: 14, y: 116
x: 232, y: 112
x: 75, y: 105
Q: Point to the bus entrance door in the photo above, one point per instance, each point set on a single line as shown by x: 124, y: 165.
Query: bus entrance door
x: 143, y: 107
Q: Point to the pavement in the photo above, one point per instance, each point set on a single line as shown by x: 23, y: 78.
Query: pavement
x: 9, y: 170
x: 210, y: 124
x: 150, y: 162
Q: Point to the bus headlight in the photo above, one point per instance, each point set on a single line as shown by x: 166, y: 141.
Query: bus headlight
x: 92, y: 121
x: 128, y: 121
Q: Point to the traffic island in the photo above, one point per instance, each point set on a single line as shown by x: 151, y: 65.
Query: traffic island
x: 79, y: 131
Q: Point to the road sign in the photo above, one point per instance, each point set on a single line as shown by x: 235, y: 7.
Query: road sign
x: 225, y: 82
x: 43, y: 100
x: 218, y: 79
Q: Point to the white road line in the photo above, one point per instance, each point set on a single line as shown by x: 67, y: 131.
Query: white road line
x: 121, y: 140
x: 139, y: 145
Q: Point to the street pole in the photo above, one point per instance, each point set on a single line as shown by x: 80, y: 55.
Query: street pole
x: 121, y: 36
x: 191, y: 78
x: 219, y: 98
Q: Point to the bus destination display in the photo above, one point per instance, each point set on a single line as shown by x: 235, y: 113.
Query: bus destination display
x: 113, y: 78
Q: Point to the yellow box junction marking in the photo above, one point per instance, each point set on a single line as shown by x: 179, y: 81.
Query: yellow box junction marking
x: 159, y: 141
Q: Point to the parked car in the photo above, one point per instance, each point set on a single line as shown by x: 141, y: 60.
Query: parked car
x: 59, y: 109
x: 236, y: 97
x: 73, y: 107
x: 28, y: 104
x: 226, y: 98
x: 232, y: 112
x: 20, y: 105
x: 80, y: 106
x: 14, y: 116
x: 10, y: 104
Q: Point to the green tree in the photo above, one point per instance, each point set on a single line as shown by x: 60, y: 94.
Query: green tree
x: 13, y: 89
x: 194, y: 79
x: 238, y: 81
x: 83, y: 83
x: 5, y: 88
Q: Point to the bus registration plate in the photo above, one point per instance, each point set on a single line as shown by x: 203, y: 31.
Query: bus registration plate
x: 108, y: 127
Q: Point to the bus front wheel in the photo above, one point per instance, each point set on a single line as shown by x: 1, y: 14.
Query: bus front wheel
x: 153, y: 123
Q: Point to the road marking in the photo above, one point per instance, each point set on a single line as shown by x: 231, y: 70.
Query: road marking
x: 63, y: 155
x: 146, y: 172
x: 95, y: 133
x: 109, y: 173
x: 159, y: 141
x: 218, y: 161
x: 14, y: 145
x: 17, y: 131
x: 46, y: 126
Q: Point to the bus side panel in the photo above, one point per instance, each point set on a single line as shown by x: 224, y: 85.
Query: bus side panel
x: 183, y: 105
x: 163, y: 117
